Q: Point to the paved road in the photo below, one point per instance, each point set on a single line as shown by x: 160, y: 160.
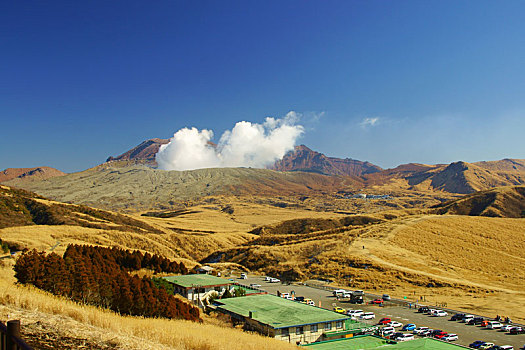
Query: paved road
x: 467, y: 334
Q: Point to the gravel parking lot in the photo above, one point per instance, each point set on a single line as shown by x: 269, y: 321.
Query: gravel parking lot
x: 466, y: 333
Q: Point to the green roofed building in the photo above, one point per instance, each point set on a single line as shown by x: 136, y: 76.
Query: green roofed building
x: 281, y: 318
x: 196, y: 286
x: 374, y: 342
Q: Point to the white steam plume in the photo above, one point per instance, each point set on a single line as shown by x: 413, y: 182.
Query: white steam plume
x: 246, y: 145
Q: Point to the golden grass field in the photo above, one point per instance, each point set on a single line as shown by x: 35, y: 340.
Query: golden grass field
x: 100, y: 328
x: 475, y: 263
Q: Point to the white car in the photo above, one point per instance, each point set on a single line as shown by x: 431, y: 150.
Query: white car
x: 354, y: 313
x: 285, y: 295
x: 507, y: 347
x: 367, y: 316
x: 506, y: 327
x: 467, y: 318
x: 255, y: 285
x: 274, y: 280
x: 450, y: 337
x: 338, y: 292
x: 494, y: 325
x: 267, y: 279
x: 394, y: 324
x: 387, y: 331
x: 404, y: 337
x: 243, y: 276
x: 440, y: 313
x: 419, y: 330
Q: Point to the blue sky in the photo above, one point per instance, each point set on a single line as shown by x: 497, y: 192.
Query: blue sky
x: 390, y: 82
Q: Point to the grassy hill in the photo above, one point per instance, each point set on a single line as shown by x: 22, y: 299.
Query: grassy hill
x: 505, y: 202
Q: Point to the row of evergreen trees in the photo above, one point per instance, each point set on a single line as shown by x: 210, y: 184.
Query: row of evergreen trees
x: 100, y: 276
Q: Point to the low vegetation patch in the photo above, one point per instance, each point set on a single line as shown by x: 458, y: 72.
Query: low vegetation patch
x: 100, y: 276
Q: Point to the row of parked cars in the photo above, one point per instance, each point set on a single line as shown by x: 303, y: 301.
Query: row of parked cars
x: 489, y: 324
x: 483, y: 345
x: 355, y: 314
x: 432, y: 312
x: 389, y: 331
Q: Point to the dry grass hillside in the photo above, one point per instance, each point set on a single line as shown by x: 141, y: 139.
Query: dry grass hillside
x: 471, y: 263
x: 458, y: 177
x: 504, y: 202
x: 50, y: 322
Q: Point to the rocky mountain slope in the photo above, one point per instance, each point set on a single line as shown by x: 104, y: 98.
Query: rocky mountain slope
x: 23, y: 174
x: 143, y: 153
x: 303, y: 158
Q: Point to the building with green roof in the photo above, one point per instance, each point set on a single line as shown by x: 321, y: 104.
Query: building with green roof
x: 281, y: 318
x: 196, y: 286
x: 369, y: 342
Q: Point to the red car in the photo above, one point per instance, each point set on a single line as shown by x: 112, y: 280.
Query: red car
x: 385, y: 320
x: 440, y: 334
x: 377, y: 301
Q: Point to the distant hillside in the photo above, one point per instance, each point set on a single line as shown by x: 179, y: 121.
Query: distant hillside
x: 458, y: 177
x: 23, y: 208
x: 23, y: 174
x: 303, y: 158
x: 505, y: 202
x: 143, y: 188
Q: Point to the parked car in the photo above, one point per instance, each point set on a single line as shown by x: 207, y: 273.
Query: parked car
x: 377, y: 301
x: 255, y: 285
x: 395, y: 335
x: 309, y: 302
x: 338, y: 292
x: 367, y: 316
x: 457, y: 317
x: 267, y: 279
x: 476, y: 344
x: 506, y: 327
x: 494, y: 325
x: 475, y: 320
x: 430, y: 311
x: 440, y: 313
x: 274, y: 280
x: 387, y: 331
x: 484, y: 323
x: 409, y: 327
x: 299, y: 299
x: 339, y: 310
x: 517, y: 330
x: 505, y: 347
x: 486, y: 345
x: 439, y: 334
x: 243, y: 276
x: 420, y: 330
x: 394, y: 324
x: 467, y: 318
x: 386, y: 297
x: 450, y: 337
x: 384, y: 320
x: 354, y: 313
x: 404, y: 337
x: 426, y: 333
x: 423, y: 309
